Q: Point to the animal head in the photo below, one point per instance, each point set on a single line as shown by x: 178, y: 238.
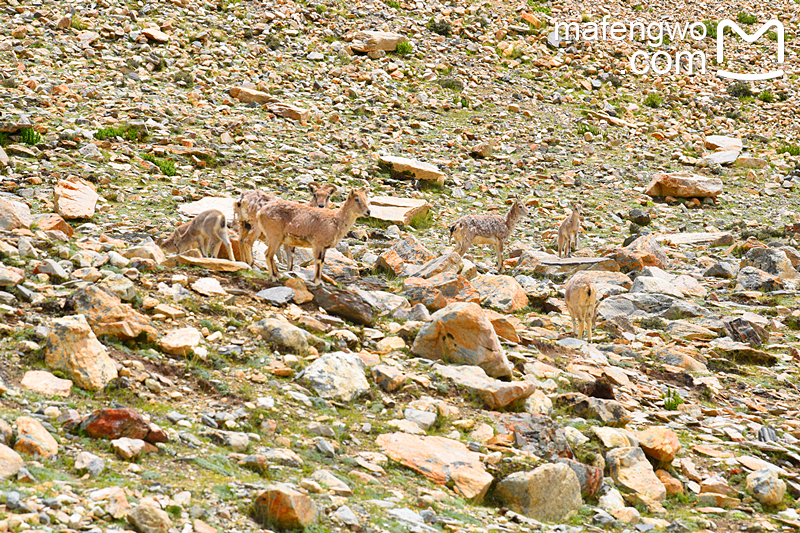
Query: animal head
x: 359, y: 197
x: 519, y: 209
x: 321, y: 194
x: 577, y: 208
x: 172, y: 243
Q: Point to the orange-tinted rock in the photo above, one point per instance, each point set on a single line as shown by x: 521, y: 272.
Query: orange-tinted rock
x: 301, y: 292
x: 672, y: 485
x: 107, y: 315
x: 502, y: 293
x: 503, y: 325
x: 75, y: 198
x: 496, y: 394
x: 419, y: 291
x: 660, y: 443
x: 442, y: 460
x: 10, y: 462
x: 46, y: 383
x: 461, y: 333
x: 630, y: 469
x: 683, y: 185
x: 632, y: 260
x: 73, y: 348
x: 116, y: 423
x: 282, y: 507
x: 54, y: 222
x: 33, y: 439
x: 648, y: 244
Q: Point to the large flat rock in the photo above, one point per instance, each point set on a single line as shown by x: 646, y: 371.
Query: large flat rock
x: 417, y: 169
x: 718, y: 238
x: 442, y: 460
x: 397, y: 210
x: 684, y: 185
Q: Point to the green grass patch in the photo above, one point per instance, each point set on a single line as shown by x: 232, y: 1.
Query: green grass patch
x: 711, y: 28
x: 584, y: 127
x: 739, y: 90
x: 394, y: 3
x: 404, y: 48
x: 672, y: 400
x: 542, y: 9
x: 129, y: 133
x: 441, y: 27
x: 167, y: 166
x: 791, y: 149
x: 77, y: 23
x: 746, y: 18
x: 766, y: 96
x: 30, y: 136
x: 653, y: 100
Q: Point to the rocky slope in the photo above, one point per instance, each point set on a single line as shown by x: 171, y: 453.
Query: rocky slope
x: 415, y: 389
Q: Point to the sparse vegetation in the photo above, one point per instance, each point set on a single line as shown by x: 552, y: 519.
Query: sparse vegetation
x: 672, y: 400
x: 404, y: 48
x: 77, y: 23
x: 766, y: 96
x: 746, y: 18
x: 167, y: 166
x: 30, y: 136
x: 126, y: 132
x: 791, y: 149
x: 441, y: 26
x: 653, y: 100
x: 739, y: 90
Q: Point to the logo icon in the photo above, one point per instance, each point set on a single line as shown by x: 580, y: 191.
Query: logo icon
x: 727, y: 23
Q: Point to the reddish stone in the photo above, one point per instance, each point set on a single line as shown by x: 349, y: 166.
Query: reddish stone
x: 660, y: 443
x: 418, y: 290
x: 632, y: 260
x: 450, y: 285
x: 590, y: 477
x: 442, y: 460
x: 284, y: 508
x: 116, y: 423
x: 672, y: 485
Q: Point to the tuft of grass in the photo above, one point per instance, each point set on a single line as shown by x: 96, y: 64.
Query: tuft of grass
x: 442, y: 27
x: 422, y: 220
x: 394, y: 3
x: 766, y: 96
x: 711, y: 28
x: 77, y: 23
x: 404, y: 48
x: 30, y: 136
x: 542, y: 9
x: 672, y: 400
x: 5, y: 139
x: 739, y: 90
x: 451, y: 83
x: 791, y: 149
x: 653, y: 100
x: 129, y: 133
x: 167, y: 166
x: 746, y: 18
x: 584, y: 127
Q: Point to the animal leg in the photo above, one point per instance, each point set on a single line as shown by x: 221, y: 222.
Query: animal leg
x: 580, y: 326
x: 560, y: 245
x: 574, y: 324
x: 289, y: 256
x: 319, y: 260
x: 589, y: 326
x: 228, y: 248
x: 499, y: 248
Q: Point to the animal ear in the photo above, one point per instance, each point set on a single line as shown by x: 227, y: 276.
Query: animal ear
x: 313, y: 186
